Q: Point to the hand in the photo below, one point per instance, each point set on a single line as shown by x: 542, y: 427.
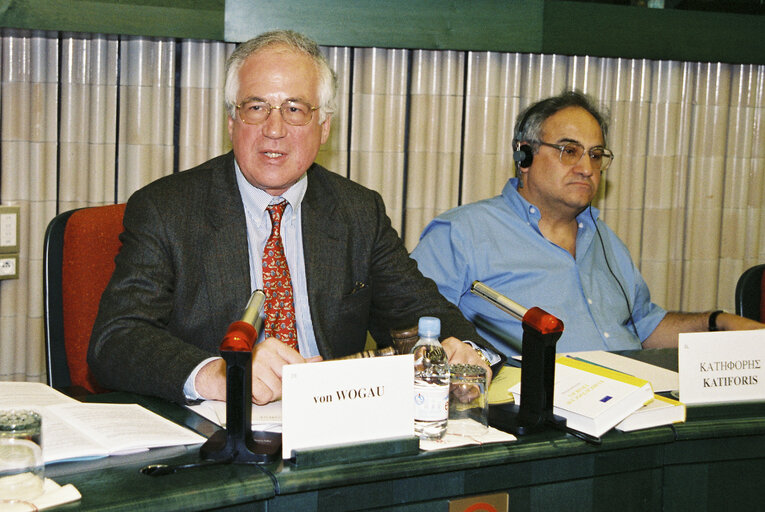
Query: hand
x: 460, y: 352
x: 268, y: 358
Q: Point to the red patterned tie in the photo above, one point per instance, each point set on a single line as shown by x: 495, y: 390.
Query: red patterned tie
x: 279, y: 308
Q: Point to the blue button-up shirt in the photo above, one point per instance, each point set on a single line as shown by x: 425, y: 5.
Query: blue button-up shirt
x: 498, y: 241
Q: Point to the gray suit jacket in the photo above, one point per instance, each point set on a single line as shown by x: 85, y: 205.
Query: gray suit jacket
x: 182, y: 276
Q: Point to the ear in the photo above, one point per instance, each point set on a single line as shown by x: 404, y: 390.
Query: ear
x: 325, y: 126
x: 230, y: 128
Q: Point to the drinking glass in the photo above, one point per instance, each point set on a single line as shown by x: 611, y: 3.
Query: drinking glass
x: 21, y: 462
x: 468, y: 401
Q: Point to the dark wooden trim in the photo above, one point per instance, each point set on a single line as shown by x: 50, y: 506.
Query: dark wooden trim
x: 528, y: 26
x: 189, y: 19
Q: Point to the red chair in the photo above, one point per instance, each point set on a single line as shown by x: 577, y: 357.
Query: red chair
x: 750, y: 290
x: 80, y: 246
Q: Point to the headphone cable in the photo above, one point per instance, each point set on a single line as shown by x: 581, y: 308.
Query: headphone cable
x: 605, y: 257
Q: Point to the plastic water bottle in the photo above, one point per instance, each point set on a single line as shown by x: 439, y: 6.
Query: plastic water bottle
x: 431, y: 381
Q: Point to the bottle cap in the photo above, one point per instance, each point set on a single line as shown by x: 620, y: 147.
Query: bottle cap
x: 429, y: 326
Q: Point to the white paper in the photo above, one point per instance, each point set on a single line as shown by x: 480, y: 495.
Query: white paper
x: 74, y: 430
x: 347, y: 401
x: 465, y: 432
x: 660, y: 378
x: 30, y: 395
x: 723, y: 366
x: 55, y: 495
x: 264, y: 417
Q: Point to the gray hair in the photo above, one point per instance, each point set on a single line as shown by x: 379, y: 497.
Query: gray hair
x: 292, y: 41
x: 528, y: 124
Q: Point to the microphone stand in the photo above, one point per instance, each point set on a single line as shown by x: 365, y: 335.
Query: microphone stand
x: 541, y: 332
x: 237, y: 442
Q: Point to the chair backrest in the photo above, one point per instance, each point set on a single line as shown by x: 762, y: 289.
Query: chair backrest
x: 750, y: 290
x: 80, y: 246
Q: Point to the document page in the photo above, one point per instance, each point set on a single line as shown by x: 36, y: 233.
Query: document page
x: 18, y: 395
x: 124, y: 428
x: 73, y: 430
x: 264, y: 417
x: 62, y: 441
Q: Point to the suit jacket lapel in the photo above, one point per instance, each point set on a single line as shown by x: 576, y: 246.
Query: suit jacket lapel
x: 324, y: 236
x: 225, y: 253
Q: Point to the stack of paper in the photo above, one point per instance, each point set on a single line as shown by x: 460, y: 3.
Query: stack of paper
x: 657, y: 412
x: 72, y: 430
x: 592, y: 398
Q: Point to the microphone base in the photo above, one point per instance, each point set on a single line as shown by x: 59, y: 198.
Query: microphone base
x: 514, y: 419
x: 257, y: 448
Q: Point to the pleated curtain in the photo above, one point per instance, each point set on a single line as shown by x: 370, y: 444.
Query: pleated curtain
x: 86, y: 119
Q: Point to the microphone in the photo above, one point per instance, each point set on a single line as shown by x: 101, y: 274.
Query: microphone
x: 541, y: 331
x: 504, y: 303
x: 254, y: 310
x: 241, y: 335
x: 535, y: 318
x: 237, y: 442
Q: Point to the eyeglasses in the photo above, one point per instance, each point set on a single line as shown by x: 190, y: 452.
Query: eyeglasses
x: 571, y: 153
x: 294, y: 112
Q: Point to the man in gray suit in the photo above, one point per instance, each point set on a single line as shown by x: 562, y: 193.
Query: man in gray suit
x: 193, y: 243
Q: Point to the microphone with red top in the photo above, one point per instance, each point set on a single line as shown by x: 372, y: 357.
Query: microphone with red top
x: 237, y: 442
x: 541, y: 332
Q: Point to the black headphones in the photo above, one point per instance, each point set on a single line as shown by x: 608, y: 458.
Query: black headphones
x: 523, y: 154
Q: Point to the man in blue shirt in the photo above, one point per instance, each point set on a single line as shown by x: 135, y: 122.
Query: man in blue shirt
x: 541, y: 243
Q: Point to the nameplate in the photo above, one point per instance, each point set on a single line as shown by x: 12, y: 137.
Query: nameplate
x: 718, y: 367
x: 341, y: 402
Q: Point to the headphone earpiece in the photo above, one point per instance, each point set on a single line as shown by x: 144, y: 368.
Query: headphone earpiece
x: 524, y: 155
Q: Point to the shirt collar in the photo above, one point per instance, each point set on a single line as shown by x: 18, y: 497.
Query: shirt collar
x: 256, y: 200
x: 530, y: 213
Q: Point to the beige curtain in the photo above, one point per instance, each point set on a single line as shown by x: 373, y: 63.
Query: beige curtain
x: 88, y: 119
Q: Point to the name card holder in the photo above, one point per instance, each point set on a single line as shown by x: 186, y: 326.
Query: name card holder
x: 356, y: 452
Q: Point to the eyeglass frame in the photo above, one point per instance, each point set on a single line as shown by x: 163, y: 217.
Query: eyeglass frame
x: 279, y: 108
x: 561, y: 147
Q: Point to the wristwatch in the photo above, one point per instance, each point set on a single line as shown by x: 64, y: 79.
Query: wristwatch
x: 483, y: 357
x: 713, y: 320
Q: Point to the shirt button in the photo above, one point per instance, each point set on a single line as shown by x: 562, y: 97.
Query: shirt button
x: 589, y: 301
x: 532, y: 209
x: 581, y: 225
x: 606, y: 335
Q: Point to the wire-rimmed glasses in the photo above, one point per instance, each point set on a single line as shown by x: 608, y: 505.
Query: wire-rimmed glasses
x: 571, y: 153
x: 294, y: 112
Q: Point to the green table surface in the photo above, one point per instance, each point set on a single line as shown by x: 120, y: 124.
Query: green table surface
x: 722, y: 447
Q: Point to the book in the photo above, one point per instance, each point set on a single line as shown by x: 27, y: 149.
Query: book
x: 72, y: 430
x: 659, y: 411
x: 592, y: 398
x: 660, y: 378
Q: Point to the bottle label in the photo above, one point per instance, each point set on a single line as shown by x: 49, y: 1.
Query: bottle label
x: 431, y: 401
